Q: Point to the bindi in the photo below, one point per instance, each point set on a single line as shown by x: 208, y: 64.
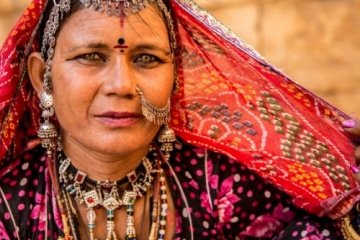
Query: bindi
x: 121, y: 41
x: 121, y: 45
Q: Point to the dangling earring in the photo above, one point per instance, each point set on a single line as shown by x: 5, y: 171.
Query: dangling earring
x: 159, y: 116
x: 47, y: 131
x: 166, y: 138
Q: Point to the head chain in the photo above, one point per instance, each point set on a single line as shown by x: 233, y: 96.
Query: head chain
x: 47, y: 49
x: 112, y: 8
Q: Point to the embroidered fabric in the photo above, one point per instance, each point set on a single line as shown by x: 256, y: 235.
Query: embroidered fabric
x: 229, y: 100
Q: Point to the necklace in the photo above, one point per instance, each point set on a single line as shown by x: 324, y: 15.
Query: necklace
x: 113, y: 195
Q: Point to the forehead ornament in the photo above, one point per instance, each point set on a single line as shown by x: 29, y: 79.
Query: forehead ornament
x: 117, y: 7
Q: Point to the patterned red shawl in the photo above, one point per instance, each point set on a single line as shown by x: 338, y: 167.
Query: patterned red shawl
x: 229, y: 100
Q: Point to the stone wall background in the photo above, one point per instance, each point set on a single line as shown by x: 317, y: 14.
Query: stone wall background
x: 315, y: 42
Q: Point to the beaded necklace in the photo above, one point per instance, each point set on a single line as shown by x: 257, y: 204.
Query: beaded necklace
x: 113, y: 196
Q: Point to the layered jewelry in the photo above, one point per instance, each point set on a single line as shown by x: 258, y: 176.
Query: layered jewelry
x: 112, y: 196
x: 96, y: 196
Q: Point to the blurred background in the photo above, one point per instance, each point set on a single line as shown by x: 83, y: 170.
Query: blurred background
x: 315, y: 42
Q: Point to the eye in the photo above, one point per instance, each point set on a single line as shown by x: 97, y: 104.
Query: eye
x: 147, y: 61
x: 146, y: 58
x: 92, y: 57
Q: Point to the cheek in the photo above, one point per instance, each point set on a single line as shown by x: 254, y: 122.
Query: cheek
x: 169, y: 80
x: 161, y: 84
x: 70, y: 91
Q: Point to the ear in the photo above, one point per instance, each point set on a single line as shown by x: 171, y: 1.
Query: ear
x: 36, y: 70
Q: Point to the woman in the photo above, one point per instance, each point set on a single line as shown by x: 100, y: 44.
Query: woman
x: 255, y: 155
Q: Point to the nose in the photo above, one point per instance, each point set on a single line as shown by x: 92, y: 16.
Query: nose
x: 119, y: 79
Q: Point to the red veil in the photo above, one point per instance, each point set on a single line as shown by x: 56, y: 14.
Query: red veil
x: 229, y: 100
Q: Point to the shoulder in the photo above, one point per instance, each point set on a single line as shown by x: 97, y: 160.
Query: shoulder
x: 218, y: 191
x: 186, y: 155
x: 219, y: 175
x: 200, y: 169
x: 191, y: 161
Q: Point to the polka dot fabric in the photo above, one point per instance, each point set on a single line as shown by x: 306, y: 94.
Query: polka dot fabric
x: 214, y: 197
x: 218, y: 198
x: 26, y: 200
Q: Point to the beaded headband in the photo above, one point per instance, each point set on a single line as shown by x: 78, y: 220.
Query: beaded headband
x: 111, y: 7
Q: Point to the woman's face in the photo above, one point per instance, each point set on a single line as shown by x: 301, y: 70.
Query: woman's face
x: 98, y: 62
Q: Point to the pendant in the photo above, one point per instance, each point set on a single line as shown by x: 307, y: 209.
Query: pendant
x: 91, y: 199
x: 110, y: 203
x: 91, y: 217
x: 130, y: 223
x: 111, y: 235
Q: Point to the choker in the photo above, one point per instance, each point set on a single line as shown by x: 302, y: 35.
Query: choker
x: 107, y: 194
x: 113, y: 195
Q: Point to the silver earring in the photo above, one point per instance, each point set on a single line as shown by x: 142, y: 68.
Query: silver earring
x: 166, y: 138
x: 47, y: 131
x: 152, y: 113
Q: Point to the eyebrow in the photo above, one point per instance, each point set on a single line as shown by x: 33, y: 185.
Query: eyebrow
x: 90, y: 45
x: 150, y: 47
x: 136, y: 48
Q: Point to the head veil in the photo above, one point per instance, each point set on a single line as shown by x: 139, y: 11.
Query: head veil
x: 229, y: 99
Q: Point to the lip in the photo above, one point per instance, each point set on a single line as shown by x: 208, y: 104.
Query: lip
x: 118, y: 119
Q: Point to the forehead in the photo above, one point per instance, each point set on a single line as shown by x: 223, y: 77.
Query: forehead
x: 147, y: 23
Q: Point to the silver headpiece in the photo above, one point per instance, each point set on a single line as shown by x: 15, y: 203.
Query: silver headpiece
x: 111, y: 7
x: 48, y: 44
x: 117, y: 7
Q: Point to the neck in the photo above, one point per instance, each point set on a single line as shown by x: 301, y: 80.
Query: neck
x: 100, y: 166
